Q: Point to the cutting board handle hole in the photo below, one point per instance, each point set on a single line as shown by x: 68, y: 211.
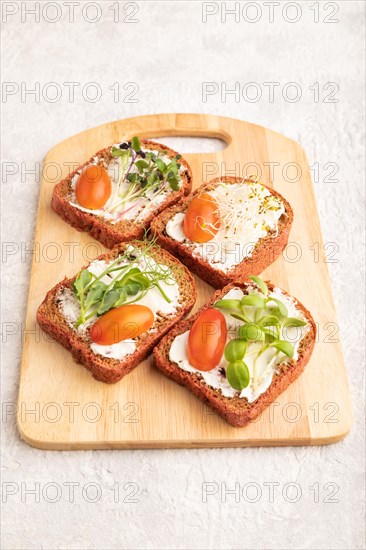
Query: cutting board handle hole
x: 192, y: 144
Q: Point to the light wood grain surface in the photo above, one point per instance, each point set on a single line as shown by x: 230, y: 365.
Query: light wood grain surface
x: 62, y: 407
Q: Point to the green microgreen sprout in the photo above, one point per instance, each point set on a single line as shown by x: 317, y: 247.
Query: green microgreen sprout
x: 129, y: 283
x: 146, y: 174
x: 263, y: 326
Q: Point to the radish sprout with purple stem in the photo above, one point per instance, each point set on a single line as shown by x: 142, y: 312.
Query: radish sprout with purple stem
x: 152, y: 178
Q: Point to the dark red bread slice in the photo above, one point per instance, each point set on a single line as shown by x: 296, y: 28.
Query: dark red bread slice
x: 102, y: 368
x: 265, y: 252
x: 235, y: 410
x: 104, y: 230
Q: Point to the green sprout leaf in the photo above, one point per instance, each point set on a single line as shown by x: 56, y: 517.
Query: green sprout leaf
x: 260, y: 284
x: 152, y: 178
x: 270, y: 334
x: 280, y: 305
x: 108, y: 302
x: 161, y: 165
x: 130, y: 273
x: 95, y: 294
x: 228, y: 304
x: 285, y: 347
x: 252, y: 332
x: 132, y: 288
x: 132, y: 178
x: 133, y: 281
x: 81, y: 281
x: 240, y: 317
x: 138, y: 279
x: 115, y: 151
x: 235, y: 350
x: 122, y: 296
x: 293, y: 322
x: 135, y: 144
x: 174, y: 183
x: 141, y: 165
x: 276, y: 313
x: 253, y: 300
x: 268, y: 321
x: 238, y: 375
x: 173, y: 168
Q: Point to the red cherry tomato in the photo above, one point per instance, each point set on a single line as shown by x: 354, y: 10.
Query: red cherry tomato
x: 93, y: 187
x: 207, y: 340
x: 123, y: 322
x: 201, y: 222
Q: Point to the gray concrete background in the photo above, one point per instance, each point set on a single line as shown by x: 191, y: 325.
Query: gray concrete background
x: 169, y: 53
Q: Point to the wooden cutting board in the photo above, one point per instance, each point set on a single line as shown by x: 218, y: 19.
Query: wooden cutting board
x: 62, y: 407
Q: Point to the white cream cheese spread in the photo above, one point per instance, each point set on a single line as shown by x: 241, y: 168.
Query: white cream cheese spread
x: 265, y: 364
x: 247, y: 212
x: 130, y: 210
x: 70, y: 307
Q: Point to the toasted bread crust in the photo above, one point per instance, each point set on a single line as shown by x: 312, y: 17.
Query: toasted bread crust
x: 236, y: 411
x: 266, y: 251
x: 102, y: 368
x: 98, y: 227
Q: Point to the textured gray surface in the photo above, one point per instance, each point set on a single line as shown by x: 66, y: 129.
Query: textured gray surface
x: 169, y: 53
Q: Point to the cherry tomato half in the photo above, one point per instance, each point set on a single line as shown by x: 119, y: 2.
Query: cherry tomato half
x: 93, y: 187
x: 201, y: 222
x: 207, y: 340
x: 123, y: 322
